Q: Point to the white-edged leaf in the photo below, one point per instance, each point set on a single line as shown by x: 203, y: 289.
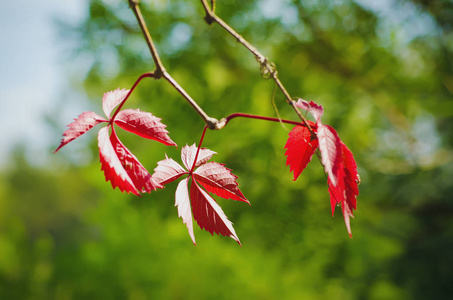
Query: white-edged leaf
x: 167, y: 170
x: 111, y: 99
x: 315, y: 109
x: 209, y: 215
x: 143, y: 124
x: 188, y: 154
x: 331, y: 151
x: 219, y: 180
x: 111, y: 164
x: 137, y: 173
x: 84, y: 122
x: 182, y: 201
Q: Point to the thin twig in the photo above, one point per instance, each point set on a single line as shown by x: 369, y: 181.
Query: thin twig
x: 150, y: 74
x: 265, y: 64
x: 225, y: 121
x: 160, y: 69
x: 210, y: 122
x: 198, y: 150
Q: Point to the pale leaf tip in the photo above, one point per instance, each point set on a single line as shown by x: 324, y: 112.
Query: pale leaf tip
x: 234, y: 237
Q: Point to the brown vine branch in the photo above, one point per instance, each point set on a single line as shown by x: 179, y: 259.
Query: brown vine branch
x: 267, y: 68
x: 160, y: 69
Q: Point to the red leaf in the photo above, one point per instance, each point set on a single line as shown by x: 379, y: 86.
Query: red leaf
x: 111, y: 164
x: 337, y: 192
x: 84, y: 122
x: 120, y: 166
x: 139, y: 175
x: 111, y: 99
x: 182, y: 201
x: 347, y: 214
x: 214, y: 177
x: 352, y: 178
x: 331, y: 151
x: 315, y: 109
x: 208, y: 213
x: 300, y: 149
x: 188, y: 154
x: 219, y: 180
x: 346, y: 191
x: 168, y: 170
x: 339, y: 164
x: 143, y: 124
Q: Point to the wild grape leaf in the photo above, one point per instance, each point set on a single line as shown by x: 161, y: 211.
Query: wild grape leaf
x: 208, y: 213
x: 315, y: 109
x: 143, y: 124
x: 167, y: 171
x: 134, y: 169
x: 119, y: 165
x: 336, y: 192
x: 352, y: 178
x: 84, y: 122
x: 328, y: 139
x: 111, y: 99
x: 330, y: 148
x: 300, y: 148
x: 111, y: 164
x: 219, y: 180
x: 188, y: 154
x: 212, y: 176
x: 339, y: 164
x: 182, y: 202
x: 346, y: 190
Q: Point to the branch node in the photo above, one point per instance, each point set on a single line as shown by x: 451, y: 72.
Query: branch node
x: 268, y: 68
x: 209, y: 19
x: 212, y: 123
x: 159, y: 72
x: 220, y: 124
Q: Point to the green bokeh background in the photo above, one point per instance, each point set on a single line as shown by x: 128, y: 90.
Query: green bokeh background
x: 384, y: 77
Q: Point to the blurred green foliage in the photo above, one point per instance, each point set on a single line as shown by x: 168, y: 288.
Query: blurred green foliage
x: 382, y: 73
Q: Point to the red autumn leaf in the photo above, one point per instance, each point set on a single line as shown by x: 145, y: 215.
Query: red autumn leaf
x: 328, y: 139
x: 330, y: 148
x: 167, y: 171
x: 219, y: 180
x: 352, y: 178
x: 339, y: 164
x: 111, y: 99
x: 84, y: 122
x: 315, y: 109
x: 120, y: 166
x: 208, y: 213
x: 143, y: 124
x: 188, y: 154
x: 346, y: 190
x: 137, y: 173
x: 111, y: 164
x: 182, y: 202
x: 300, y: 148
x: 336, y: 192
x: 212, y: 176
